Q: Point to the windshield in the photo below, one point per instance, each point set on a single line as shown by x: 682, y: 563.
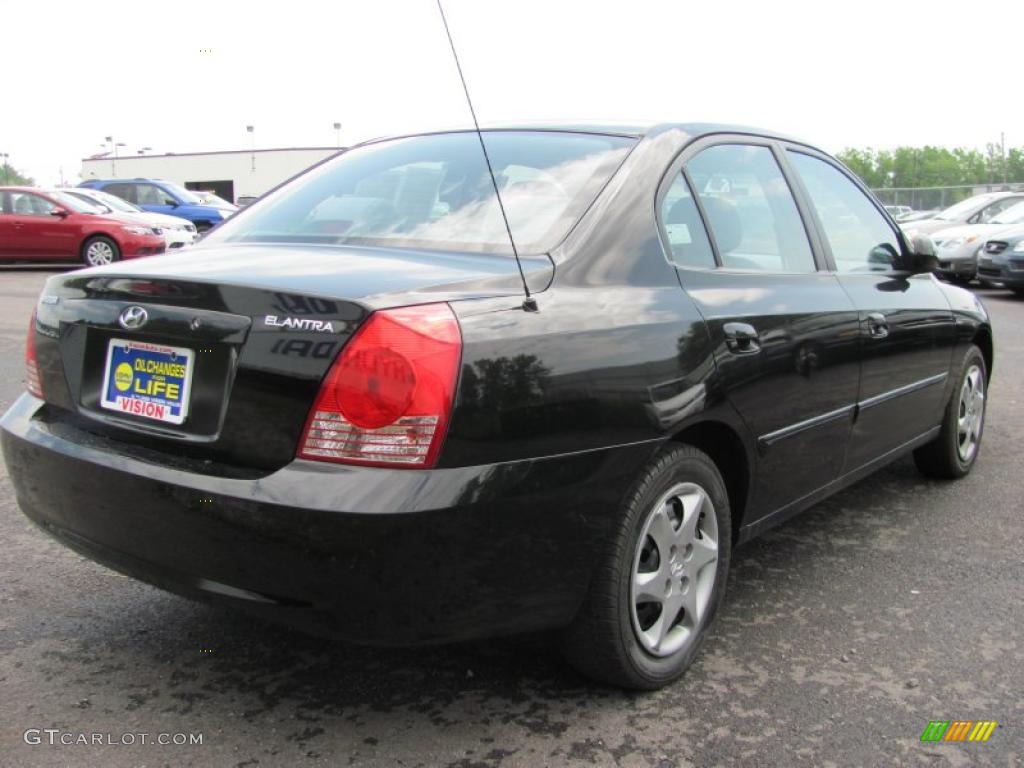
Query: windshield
x: 435, y: 192
x: 183, y: 195
x: 111, y: 201
x: 963, y: 209
x: 1012, y: 215
x: 77, y: 204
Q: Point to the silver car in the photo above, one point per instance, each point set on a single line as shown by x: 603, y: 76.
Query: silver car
x: 957, y: 247
x: 979, y: 209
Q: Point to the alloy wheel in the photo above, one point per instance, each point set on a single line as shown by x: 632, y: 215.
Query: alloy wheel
x: 99, y: 253
x: 674, y: 570
x: 971, y: 413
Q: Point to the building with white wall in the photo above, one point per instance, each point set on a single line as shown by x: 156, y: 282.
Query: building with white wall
x: 231, y: 175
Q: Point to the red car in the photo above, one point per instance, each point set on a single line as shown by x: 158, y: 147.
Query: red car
x: 53, y: 226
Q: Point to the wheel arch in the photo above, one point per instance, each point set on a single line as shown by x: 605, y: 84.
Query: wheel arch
x: 97, y: 233
x: 983, y: 340
x: 726, y: 448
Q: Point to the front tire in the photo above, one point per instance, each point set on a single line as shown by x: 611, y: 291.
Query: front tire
x: 953, y: 452
x: 99, y: 250
x: 652, y: 600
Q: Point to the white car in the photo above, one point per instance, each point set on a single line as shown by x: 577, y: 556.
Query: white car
x: 957, y: 247
x: 177, y: 232
x: 979, y: 209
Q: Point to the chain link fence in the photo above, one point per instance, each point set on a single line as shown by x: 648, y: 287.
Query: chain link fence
x: 937, y: 198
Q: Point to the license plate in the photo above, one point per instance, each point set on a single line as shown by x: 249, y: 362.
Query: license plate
x: 148, y: 380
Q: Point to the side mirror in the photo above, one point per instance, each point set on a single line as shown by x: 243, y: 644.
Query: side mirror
x: 921, y: 258
x: 171, y: 202
x: 60, y: 213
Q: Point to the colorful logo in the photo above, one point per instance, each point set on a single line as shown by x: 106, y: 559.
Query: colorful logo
x: 123, y: 377
x: 958, y: 730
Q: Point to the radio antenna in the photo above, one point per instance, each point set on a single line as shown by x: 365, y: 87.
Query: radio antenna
x: 530, y: 303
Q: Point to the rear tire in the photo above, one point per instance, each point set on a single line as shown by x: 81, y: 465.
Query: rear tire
x: 953, y: 452
x: 654, y: 596
x: 99, y: 250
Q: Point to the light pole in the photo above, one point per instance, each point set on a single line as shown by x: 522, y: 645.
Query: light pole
x: 113, y: 148
x: 1002, y: 153
x: 252, y: 146
x: 337, y: 135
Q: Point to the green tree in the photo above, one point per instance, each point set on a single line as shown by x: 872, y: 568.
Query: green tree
x: 10, y: 175
x: 930, y: 166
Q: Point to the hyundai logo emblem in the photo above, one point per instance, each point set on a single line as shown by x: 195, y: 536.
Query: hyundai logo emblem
x: 133, y: 317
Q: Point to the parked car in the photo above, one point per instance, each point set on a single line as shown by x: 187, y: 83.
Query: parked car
x: 341, y: 408
x: 38, y: 225
x: 979, y: 209
x: 158, y: 196
x: 177, y: 232
x: 1001, y: 260
x: 915, y: 216
x: 896, y: 211
x: 957, y: 248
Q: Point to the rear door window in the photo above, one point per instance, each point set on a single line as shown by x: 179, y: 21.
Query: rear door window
x: 124, y: 191
x: 750, y: 209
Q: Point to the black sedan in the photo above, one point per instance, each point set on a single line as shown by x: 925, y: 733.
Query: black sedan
x: 342, y: 410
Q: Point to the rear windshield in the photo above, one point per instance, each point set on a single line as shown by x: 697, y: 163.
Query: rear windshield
x: 434, y: 192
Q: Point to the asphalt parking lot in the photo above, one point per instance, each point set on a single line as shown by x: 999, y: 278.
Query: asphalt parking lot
x: 843, y: 633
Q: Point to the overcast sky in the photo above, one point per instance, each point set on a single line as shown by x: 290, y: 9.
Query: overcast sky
x: 861, y: 73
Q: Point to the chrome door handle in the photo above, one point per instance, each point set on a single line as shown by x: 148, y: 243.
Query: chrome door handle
x: 878, y: 326
x: 741, y: 338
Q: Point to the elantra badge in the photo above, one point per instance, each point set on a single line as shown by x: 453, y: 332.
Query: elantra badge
x: 299, y: 324
x: 133, y: 318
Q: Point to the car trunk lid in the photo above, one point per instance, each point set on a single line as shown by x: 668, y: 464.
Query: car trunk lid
x: 242, y: 336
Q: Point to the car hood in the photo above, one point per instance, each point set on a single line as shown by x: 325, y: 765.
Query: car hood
x: 377, y: 277
x: 163, y: 220
x: 123, y: 217
x: 968, y: 230
x: 1010, y: 234
x: 117, y: 218
x: 214, y: 204
x: 929, y: 226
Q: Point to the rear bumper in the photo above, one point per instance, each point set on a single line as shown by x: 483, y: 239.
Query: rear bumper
x: 379, y: 556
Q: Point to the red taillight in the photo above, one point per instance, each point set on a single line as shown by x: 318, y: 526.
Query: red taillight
x: 387, y: 398
x: 32, y: 381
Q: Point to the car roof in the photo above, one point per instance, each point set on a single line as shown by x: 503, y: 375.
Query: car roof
x: 120, y: 181
x: 635, y: 130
